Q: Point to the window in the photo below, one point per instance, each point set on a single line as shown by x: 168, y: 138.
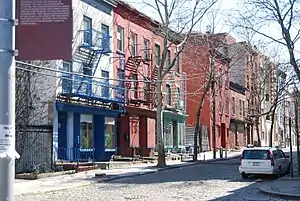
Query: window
x: 268, y: 117
x: 87, y: 27
x: 105, y: 37
x: 147, y: 90
x: 233, y: 105
x: 168, y: 61
x: 226, y: 78
x: 66, y: 81
x: 220, y: 106
x: 267, y: 97
x: 178, y: 96
x: 256, y: 155
x: 244, y: 113
x: 86, y: 132
x: 275, y: 155
x: 241, y: 107
x: 248, y: 106
x: 134, y: 85
x: 121, y: 90
x: 247, y: 82
x: 133, y: 44
x: 157, y: 54
x: 220, y: 80
x: 177, y: 64
x: 120, y: 39
x: 227, y: 105
x: 105, y: 83
x: 146, y: 49
x: 109, y: 133
x: 281, y: 154
x: 168, y: 95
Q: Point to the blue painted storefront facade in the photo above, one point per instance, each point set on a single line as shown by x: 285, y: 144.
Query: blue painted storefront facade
x: 69, y: 146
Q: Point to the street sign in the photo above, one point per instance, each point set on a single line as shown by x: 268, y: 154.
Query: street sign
x: 44, y: 30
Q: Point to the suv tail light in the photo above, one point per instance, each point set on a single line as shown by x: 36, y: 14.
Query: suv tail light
x: 271, y: 158
x: 241, y: 157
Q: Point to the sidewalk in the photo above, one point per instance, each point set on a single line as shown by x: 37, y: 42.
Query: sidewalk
x: 86, y: 178
x: 285, y: 186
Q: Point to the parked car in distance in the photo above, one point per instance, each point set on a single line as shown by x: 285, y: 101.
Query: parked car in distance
x: 263, y: 160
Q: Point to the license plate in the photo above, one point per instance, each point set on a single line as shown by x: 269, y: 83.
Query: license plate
x: 255, y: 164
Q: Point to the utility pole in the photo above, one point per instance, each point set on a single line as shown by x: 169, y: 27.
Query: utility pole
x: 284, y: 124
x: 297, y: 128
x: 7, y: 104
x: 291, y: 148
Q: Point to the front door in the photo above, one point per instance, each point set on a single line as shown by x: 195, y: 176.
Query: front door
x: 223, y: 135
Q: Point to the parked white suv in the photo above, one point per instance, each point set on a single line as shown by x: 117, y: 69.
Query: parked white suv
x: 263, y: 160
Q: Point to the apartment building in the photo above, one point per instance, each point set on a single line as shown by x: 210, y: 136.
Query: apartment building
x: 244, y: 72
x: 138, y: 41
x: 204, y: 52
x: 268, y: 90
x: 238, y: 134
x: 89, y: 99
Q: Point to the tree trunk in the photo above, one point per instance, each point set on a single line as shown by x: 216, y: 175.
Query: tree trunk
x: 257, y: 131
x: 161, y: 150
x: 197, y: 127
x: 272, y: 126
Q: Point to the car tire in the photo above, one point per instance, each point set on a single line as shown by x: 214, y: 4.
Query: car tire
x: 278, y: 173
x: 244, y: 175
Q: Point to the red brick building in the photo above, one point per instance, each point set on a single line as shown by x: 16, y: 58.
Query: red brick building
x: 141, y: 48
x: 197, y: 64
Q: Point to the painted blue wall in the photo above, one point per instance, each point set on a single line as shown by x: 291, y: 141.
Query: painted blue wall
x: 76, y: 133
x: 62, y: 136
x: 98, y: 128
x: 99, y: 139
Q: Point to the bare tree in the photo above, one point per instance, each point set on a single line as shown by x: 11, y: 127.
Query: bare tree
x: 34, y: 91
x: 260, y: 16
x: 181, y: 16
x: 282, y: 82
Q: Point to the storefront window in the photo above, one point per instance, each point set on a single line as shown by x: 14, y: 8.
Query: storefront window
x: 86, y: 131
x: 109, y: 133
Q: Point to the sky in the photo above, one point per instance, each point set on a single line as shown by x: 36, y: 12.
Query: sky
x: 223, y: 8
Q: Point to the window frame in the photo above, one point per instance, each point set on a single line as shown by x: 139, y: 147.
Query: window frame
x: 122, y: 38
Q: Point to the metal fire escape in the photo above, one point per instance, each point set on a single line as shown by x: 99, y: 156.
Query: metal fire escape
x: 92, y: 46
x: 133, y: 65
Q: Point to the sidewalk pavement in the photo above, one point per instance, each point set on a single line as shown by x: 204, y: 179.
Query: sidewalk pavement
x: 63, y: 182
x: 285, y: 186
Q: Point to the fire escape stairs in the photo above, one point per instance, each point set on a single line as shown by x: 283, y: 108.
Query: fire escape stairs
x: 90, y: 58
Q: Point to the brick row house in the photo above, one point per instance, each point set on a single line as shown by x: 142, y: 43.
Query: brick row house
x: 245, y: 83
x: 197, y: 63
x: 142, y: 49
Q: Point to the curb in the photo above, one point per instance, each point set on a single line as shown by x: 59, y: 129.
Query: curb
x: 113, y: 178
x: 268, y: 190
x: 56, y: 190
x: 107, y: 179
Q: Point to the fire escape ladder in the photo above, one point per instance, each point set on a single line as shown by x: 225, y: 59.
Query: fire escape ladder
x: 91, y: 63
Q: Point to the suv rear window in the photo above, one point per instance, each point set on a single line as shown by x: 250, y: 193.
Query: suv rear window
x: 256, y: 154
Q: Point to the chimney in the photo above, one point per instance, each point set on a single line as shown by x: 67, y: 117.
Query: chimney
x: 208, y: 29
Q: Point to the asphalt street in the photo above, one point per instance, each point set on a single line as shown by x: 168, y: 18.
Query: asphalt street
x: 212, y: 181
